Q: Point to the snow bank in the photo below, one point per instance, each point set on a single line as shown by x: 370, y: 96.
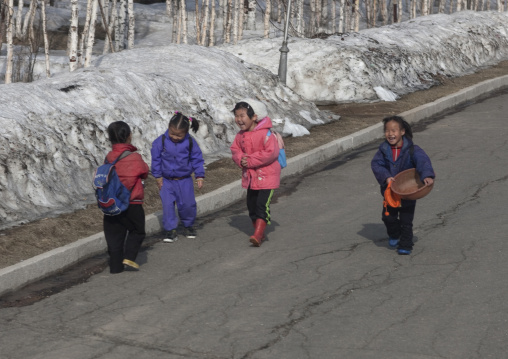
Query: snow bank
x: 401, y: 58
x: 53, y: 131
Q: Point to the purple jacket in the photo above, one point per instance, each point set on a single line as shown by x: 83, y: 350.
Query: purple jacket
x: 174, y: 161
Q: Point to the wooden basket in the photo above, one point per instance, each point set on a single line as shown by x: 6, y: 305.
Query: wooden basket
x: 408, y: 185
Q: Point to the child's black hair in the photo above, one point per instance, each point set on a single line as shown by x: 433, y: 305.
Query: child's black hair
x: 118, y: 132
x: 245, y: 105
x: 402, y: 123
x: 181, y: 122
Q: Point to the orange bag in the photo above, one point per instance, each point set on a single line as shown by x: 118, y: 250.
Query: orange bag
x: 391, y: 199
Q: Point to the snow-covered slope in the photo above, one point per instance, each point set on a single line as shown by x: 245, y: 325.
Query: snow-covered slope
x: 401, y: 58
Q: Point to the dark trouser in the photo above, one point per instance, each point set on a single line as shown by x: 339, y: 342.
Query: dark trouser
x: 124, y: 234
x: 399, y: 223
x: 258, y: 204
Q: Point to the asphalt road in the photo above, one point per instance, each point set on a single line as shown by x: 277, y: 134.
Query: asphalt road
x: 325, y: 284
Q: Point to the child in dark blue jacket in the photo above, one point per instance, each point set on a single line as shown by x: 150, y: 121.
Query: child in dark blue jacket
x: 175, y: 156
x: 396, y: 154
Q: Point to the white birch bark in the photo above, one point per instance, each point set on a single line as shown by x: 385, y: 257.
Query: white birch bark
x: 84, y: 34
x: 368, y: 14
x: 227, y: 35
x: 340, y: 25
x: 176, y: 17
x: 324, y: 12
x: 18, y: 18
x: 91, y: 34
x: 441, y: 6
x: 184, y: 21
x: 132, y: 23
x: 73, y: 37
x: 26, y: 21
x: 179, y: 25
x: 347, y: 16
x: 10, y: 49
x: 357, y: 15
x: 299, y: 18
x: 399, y: 10
x: 120, y: 27
x: 334, y: 25
x: 236, y: 5
x: 198, y: 22
x: 212, y: 23
x: 111, y: 28
x: 499, y: 6
x: 251, y: 15
x: 205, y: 23
x: 318, y: 15
x: 268, y: 11
x: 45, y: 37
x: 425, y: 10
x: 241, y: 19
x: 105, y: 10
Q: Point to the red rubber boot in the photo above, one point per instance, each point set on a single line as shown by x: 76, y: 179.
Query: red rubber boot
x: 259, y: 233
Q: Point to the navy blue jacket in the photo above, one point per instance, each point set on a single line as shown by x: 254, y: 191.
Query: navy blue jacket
x: 384, y: 167
x: 174, y: 160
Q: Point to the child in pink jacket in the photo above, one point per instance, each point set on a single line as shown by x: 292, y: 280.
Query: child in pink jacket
x: 256, y: 153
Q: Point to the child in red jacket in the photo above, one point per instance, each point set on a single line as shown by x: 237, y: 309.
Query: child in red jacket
x: 256, y: 153
x: 125, y: 232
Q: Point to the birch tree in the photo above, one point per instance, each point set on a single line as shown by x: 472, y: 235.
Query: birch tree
x: 111, y: 28
x: 9, y: 33
x: 212, y: 23
x: 340, y: 26
x: 333, y: 17
x: 300, y: 24
x: 227, y: 33
x: 356, y: 11
x: 205, y: 23
x: 91, y: 34
x: 198, y: 23
x: 130, y: 37
x: 18, y: 19
x: 268, y: 11
x: 73, y: 37
x: 120, y: 26
x: 176, y: 17
x: 241, y: 19
x: 236, y: 5
x: 29, y: 16
x: 251, y: 15
x: 45, y: 37
x: 399, y: 10
x: 85, y: 32
x: 183, y: 22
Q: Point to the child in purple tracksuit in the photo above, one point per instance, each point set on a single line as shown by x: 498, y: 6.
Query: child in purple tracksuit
x: 175, y: 156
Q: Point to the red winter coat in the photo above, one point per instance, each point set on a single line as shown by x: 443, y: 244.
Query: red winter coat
x: 263, y: 169
x: 131, y: 170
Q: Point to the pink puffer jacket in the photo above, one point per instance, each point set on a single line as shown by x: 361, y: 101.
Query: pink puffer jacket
x: 263, y: 169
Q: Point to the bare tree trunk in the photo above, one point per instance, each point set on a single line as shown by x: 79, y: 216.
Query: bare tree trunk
x: 111, y: 27
x: 235, y: 21
x: 18, y: 19
x: 241, y: 19
x: 29, y: 14
x: 268, y: 11
x: 357, y: 15
x: 84, y: 34
x: 212, y: 23
x: 251, y: 15
x: 399, y: 11
x: 132, y: 20
x: 227, y: 35
x: 441, y: 6
x: 425, y: 10
x: 347, y: 15
x: 205, y: 23
x: 184, y: 21
x: 91, y: 34
x: 299, y: 18
x: 120, y: 34
x: 2, y: 22
x: 73, y: 36
x: 175, y: 37
x: 340, y: 27
x: 368, y: 13
x: 499, y: 6
x: 179, y: 32
x: 318, y: 15
x: 198, y: 22
x: 45, y: 36
x: 334, y: 25
x: 10, y: 50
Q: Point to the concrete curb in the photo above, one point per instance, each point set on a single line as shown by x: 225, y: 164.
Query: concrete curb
x: 23, y: 273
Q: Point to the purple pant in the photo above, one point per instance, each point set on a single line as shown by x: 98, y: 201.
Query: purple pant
x: 181, y: 194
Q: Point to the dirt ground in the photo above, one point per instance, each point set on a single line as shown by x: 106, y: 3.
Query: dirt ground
x: 26, y: 241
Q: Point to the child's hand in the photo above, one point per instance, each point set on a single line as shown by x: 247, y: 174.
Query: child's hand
x: 428, y: 181
x: 200, y: 182
x: 244, y: 161
x: 389, y: 179
x: 159, y: 182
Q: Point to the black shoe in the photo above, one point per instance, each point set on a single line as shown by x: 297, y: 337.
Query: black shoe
x: 171, y: 236
x: 190, y: 232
